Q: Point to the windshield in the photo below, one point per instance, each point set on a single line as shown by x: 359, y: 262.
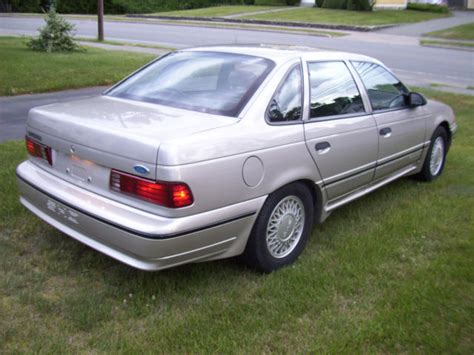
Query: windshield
x: 211, y: 82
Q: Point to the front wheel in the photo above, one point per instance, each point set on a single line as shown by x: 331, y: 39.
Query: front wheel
x: 436, y: 157
x: 281, y: 230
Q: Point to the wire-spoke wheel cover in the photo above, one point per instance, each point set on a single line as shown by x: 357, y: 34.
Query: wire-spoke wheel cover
x: 285, y: 226
x: 437, y: 156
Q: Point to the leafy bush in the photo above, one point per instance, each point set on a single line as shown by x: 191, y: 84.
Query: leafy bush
x: 249, y: 2
x: 56, y: 36
x: 335, y: 4
x: 319, y: 3
x: 428, y: 7
x: 121, y: 6
x: 360, y: 5
x: 26, y: 5
x: 292, y: 2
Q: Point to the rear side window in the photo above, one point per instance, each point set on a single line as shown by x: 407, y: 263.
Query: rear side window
x: 287, y: 102
x: 385, y: 91
x: 333, y: 90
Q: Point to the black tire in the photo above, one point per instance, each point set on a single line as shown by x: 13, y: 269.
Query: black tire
x: 427, y: 173
x: 257, y: 254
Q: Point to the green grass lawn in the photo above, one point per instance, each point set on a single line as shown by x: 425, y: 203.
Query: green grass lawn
x: 25, y: 71
x: 344, y: 17
x: 465, y: 32
x: 216, y: 11
x: 390, y: 273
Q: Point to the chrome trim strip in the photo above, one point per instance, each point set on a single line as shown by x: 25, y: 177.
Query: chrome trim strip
x: 402, y: 153
x: 198, y: 249
x: 367, y: 190
x: 350, y: 173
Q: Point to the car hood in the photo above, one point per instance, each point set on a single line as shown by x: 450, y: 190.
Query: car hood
x: 128, y: 128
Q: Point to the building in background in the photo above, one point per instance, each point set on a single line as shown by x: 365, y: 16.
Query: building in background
x: 391, y: 4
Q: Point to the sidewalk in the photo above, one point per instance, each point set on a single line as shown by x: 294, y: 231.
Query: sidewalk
x: 418, y: 29
x: 125, y: 48
x: 242, y: 14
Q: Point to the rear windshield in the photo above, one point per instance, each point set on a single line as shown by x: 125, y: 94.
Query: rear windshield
x: 210, y: 82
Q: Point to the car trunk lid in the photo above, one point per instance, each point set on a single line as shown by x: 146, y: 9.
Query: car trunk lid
x: 90, y: 137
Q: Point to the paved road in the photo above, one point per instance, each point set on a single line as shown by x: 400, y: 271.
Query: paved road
x: 417, y: 29
x: 14, y: 110
x: 417, y: 65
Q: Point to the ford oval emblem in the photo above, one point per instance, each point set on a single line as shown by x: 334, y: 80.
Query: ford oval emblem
x: 141, y: 169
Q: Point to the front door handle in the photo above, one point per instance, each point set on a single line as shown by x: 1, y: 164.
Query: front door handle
x: 322, y: 147
x: 386, y: 132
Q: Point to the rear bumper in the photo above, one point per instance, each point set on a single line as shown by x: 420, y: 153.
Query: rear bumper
x: 132, y: 236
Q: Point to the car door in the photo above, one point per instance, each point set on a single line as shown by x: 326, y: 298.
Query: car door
x: 401, y: 128
x: 340, y: 133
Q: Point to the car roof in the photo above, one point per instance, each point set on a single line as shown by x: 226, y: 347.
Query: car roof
x: 283, y: 53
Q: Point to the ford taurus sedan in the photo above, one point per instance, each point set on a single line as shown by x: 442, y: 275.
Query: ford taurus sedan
x: 214, y: 152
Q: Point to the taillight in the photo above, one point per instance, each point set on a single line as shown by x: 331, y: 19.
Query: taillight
x: 168, y: 194
x: 39, y: 150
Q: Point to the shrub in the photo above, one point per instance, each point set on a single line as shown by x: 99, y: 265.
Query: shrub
x: 335, y: 4
x: 148, y: 6
x: 56, y: 36
x: 428, y: 7
x: 26, y: 5
x: 360, y: 5
x: 292, y: 2
x: 249, y: 2
x: 122, y: 6
x: 319, y: 3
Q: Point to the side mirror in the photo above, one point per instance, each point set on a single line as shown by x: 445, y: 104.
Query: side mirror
x: 415, y: 99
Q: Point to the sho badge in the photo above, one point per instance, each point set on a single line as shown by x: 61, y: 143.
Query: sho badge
x: 62, y: 211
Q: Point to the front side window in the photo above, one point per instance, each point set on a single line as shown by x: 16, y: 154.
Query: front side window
x: 333, y: 90
x: 286, y: 104
x: 385, y: 91
x: 210, y: 82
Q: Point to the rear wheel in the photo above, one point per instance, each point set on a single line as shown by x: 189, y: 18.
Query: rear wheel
x: 281, y: 230
x: 436, y: 157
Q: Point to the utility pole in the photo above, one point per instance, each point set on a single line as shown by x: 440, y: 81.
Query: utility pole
x: 100, y: 19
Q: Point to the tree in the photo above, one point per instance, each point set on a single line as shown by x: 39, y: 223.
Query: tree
x: 56, y: 36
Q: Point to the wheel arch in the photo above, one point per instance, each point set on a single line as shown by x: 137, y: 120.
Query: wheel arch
x: 445, y: 125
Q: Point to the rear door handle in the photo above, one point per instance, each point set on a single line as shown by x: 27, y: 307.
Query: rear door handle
x: 386, y: 132
x: 322, y: 147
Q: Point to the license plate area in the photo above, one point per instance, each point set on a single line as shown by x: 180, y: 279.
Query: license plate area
x: 81, y: 171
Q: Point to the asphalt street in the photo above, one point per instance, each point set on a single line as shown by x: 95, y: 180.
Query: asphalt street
x: 14, y: 110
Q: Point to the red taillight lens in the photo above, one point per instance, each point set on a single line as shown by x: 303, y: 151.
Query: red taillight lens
x: 168, y: 194
x: 39, y: 150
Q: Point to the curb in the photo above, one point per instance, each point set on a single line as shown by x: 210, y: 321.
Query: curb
x: 448, y: 46
x: 263, y: 22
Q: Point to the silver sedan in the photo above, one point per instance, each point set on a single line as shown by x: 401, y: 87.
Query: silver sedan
x: 214, y: 152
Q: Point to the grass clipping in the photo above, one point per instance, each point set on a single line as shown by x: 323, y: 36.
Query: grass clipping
x: 55, y: 36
